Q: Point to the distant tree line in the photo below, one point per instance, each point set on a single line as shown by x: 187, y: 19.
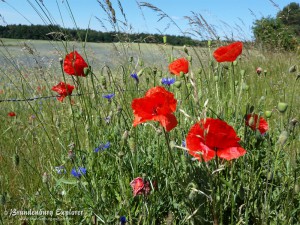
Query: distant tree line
x: 55, y: 32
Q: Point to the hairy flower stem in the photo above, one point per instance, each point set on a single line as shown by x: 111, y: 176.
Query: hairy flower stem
x: 170, y: 152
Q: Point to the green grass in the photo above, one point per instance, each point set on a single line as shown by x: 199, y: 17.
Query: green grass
x: 261, y: 187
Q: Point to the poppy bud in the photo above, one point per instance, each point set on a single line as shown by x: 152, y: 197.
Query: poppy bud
x: 177, y: 84
x: 234, y: 63
x: 251, y: 121
x: 242, y: 72
x: 181, y: 74
x: 293, y: 122
x: 224, y: 66
x: 293, y: 69
x: 45, y: 178
x: 147, y: 80
x: 165, y: 40
x: 125, y: 135
x: 270, y: 176
x: 209, y: 43
x: 131, y: 144
x: 296, y: 189
x: 86, y: 71
x: 154, y: 70
x: 268, y: 114
x: 71, y: 155
x: 3, y: 198
x: 283, y: 137
x: 265, y: 72
x: 140, y: 73
x: 172, y: 144
x: 189, y: 58
x: 199, y: 71
x: 61, y: 60
x: 103, y: 82
x: 216, y: 78
x: 245, y: 87
x: 185, y: 49
x: 130, y: 59
x: 282, y: 106
x: 141, y: 62
x: 16, y: 159
x: 258, y: 70
x: 261, y: 100
x: 159, y: 73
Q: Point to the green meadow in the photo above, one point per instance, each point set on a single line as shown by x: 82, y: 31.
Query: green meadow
x: 47, y: 138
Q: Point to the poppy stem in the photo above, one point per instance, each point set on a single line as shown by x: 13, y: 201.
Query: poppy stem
x: 170, y: 151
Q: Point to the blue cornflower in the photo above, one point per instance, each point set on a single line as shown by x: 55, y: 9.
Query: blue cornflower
x: 60, y: 169
x: 135, y: 76
x: 183, y: 143
x: 123, y: 220
x: 78, y: 173
x: 108, y: 96
x: 168, y: 81
x: 102, y: 147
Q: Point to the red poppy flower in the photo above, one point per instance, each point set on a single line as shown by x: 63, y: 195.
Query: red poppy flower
x: 11, y: 114
x: 158, y: 105
x: 74, y: 64
x: 254, y: 124
x: 228, y: 53
x: 210, y: 137
x: 179, y: 65
x: 63, y: 90
x: 139, y: 186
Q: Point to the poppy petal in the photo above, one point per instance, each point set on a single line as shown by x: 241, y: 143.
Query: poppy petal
x: 228, y: 53
x: 179, y: 65
x: 203, y: 152
x: 168, y: 121
x: 74, y: 64
x: 158, y: 104
x: 231, y: 153
x: 137, y: 185
x: 262, y: 125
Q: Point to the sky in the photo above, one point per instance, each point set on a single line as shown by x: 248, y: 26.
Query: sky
x: 228, y: 18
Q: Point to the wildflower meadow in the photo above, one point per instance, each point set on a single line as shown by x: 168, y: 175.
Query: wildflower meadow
x: 161, y: 134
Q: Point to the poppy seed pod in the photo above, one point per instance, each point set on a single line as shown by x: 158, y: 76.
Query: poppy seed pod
x: 177, y: 84
x: 282, y: 106
x: 268, y: 114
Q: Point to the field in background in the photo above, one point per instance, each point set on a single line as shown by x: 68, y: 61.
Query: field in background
x: 39, y: 138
